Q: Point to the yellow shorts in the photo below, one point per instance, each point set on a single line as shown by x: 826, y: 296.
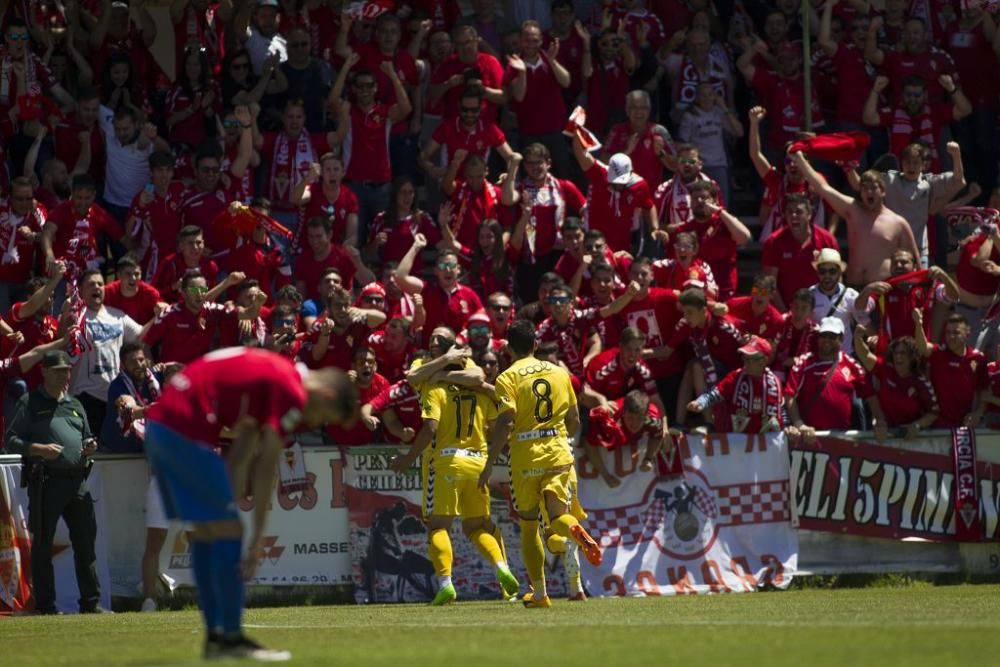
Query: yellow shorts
x: 446, y: 494
x: 528, y: 487
x: 575, y: 508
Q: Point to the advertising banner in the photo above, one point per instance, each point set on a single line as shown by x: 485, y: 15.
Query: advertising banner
x: 721, y: 525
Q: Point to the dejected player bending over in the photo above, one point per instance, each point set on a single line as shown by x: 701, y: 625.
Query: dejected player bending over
x: 538, y: 414
x: 261, y: 397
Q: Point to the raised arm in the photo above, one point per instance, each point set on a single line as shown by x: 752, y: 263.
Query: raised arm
x: 519, y: 84
x: 961, y: 106
x: 840, y: 203
x: 760, y: 163
x: 862, y: 351
x: 402, y: 108
x: 873, y: 53
x: 825, y: 41
x: 923, y: 347
x: 870, y: 114
x: 406, y: 282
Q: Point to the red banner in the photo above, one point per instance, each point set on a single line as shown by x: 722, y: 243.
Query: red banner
x: 853, y: 487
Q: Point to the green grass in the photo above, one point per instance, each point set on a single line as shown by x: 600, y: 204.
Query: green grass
x: 913, y: 625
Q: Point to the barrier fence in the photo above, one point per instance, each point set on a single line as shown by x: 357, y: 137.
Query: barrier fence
x: 745, y: 511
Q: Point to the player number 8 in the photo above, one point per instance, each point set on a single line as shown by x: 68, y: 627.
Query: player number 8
x: 543, y: 404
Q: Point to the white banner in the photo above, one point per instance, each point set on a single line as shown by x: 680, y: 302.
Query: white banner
x: 722, y: 526
x: 306, y: 539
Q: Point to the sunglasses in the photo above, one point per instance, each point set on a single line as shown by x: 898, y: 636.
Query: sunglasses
x: 828, y: 271
x: 197, y: 291
x: 499, y: 307
x: 373, y: 299
x: 15, y: 37
x: 479, y: 329
x: 230, y: 124
x: 558, y: 300
x: 447, y: 266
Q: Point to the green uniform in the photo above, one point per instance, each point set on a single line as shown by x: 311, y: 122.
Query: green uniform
x: 57, y: 489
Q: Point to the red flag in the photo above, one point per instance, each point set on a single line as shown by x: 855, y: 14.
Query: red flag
x: 575, y: 126
x: 369, y: 9
x: 15, y: 594
x: 905, y: 282
x: 836, y: 147
x: 241, y: 220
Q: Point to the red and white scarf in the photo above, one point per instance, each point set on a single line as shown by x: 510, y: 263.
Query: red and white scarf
x: 31, y: 86
x: 288, y: 169
x: 965, y: 499
x: 466, y: 194
x: 547, y: 194
x: 690, y: 77
x: 9, y: 236
x: 753, y: 395
x: 127, y: 420
x: 675, y: 201
x: 77, y: 334
x: 906, y: 129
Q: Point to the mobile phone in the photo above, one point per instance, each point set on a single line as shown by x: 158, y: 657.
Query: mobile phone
x: 150, y: 188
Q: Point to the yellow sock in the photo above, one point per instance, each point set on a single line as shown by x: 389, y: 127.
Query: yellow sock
x: 533, y: 553
x: 439, y: 551
x: 562, y: 525
x: 498, y: 536
x: 487, y: 546
x: 556, y: 544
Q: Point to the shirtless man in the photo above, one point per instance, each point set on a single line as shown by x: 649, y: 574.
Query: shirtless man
x: 873, y: 231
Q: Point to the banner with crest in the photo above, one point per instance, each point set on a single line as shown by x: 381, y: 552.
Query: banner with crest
x: 720, y: 524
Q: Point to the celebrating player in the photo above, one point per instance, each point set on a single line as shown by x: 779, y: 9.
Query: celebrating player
x: 537, y: 415
x: 261, y: 397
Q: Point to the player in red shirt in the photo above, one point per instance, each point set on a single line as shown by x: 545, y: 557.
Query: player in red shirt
x: 822, y: 387
x: 321, y: 254
x: 186, y: 330
x: 190, y: 256
x: 369, y: 384
x: 322, y: 193
x: 631, y: 421
x: 467, y: 131
x: 907, y: 397
x: 341, y: 328
x: 748, y: 400
x: 262, y: 398
x: 466, y: 66
x: 619, y: 202
x: 131, y: 294
x: 789, y: 253
x: 957, y: 372
x: 447, y: 302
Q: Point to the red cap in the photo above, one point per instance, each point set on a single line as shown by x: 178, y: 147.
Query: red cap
x: 756, y: 345
x: 479, y: 317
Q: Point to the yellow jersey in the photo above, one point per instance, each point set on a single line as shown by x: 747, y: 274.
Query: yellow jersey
x: 540, y: 394
x: 463, y: 417
x: 422, y: 387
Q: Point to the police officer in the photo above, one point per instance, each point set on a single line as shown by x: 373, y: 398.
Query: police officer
x: 50, y: 430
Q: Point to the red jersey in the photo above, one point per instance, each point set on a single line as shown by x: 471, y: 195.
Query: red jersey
x: 656, y: 316
x: 451, y: 135
x: 359, y: 434
x: 606, y: 91
x: 190, y: 131
x: 853, y: 73
x: 492, y: 74
x: 792, y: 343
x: 783, y: 99
x: 399, y: 237
x: 173, y: 268
x: 262, y: 263
x: 337, y: 211
x: 17, y: 253
x: 617, y: 213
x: 831, y: 409
x: 971, y: 278
x: 794, y: 260
x: 718, y: 339
x: 471, y: 208
x: 553, y: 201
x: 392, y: 365
x: 289, y: 160
x: 956, y: 381
x: 76, y: 235
x: 570, y: 56
x: 156, y: 227
x: 140, y: 307
x: 404, y: 401
x: 607, y: 429
x: 405, y: 66
x: 341, y: 345
x: 766, y: 325
x: 451, y: 309
x: 718, y: 249
x: 903, y: 400
x: 66, y: 138
x: 645, y: 162
x: 749, y: 403
x: 366, y: 146
x: 36, y: 331
x: 218, y: 390
x: 184, y: 336
x: 542, y: 111
x: 670, y: 274
x: 200, y: 209
x: 572, y: 337
x: 969, y: 49
x: 310, y: 270
x: 928, y: 65
x: 607, y: 376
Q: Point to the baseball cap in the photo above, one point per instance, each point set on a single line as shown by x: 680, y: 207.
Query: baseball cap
x: 56, y: 359
x: 757, y: 345
x: 830, y: 256
x: 479, y: 317
x: 620, y: 169
x: 831, y: 324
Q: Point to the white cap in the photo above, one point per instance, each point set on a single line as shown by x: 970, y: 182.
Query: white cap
x: 620, y: 169
x: 831, y: 324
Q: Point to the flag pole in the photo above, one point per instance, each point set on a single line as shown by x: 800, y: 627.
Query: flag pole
x: 807, y: 63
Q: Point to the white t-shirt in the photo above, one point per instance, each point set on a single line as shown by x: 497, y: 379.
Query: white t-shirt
x: 260, y: 47
x: 105, y: 333
x: 705, y: 130
x: 127, y: 169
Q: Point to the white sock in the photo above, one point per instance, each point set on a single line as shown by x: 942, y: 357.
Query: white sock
x: 502, y: 565
x: 571, y: 562
x: 443, y: 581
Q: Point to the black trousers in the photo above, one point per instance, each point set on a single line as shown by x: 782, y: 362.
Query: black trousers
x: 69, y: 498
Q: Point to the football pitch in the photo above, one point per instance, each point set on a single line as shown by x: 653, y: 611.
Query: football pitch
x: 912, y: 625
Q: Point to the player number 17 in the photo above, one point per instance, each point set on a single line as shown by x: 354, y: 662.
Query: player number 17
x: 458, y: 400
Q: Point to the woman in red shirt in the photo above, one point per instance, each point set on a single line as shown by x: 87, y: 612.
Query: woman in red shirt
x: 393, y: 230
x: 487, y: 265
x: 193, y: 101
x: 906, y: 396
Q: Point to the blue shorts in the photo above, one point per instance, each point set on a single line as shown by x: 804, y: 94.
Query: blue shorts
x: 193, y: 479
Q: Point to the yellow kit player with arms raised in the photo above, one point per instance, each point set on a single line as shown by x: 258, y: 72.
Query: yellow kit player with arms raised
x: 538, y: 413
x: 455, y: 422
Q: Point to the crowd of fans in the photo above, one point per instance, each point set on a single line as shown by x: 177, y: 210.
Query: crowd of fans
x: 416, y: 181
